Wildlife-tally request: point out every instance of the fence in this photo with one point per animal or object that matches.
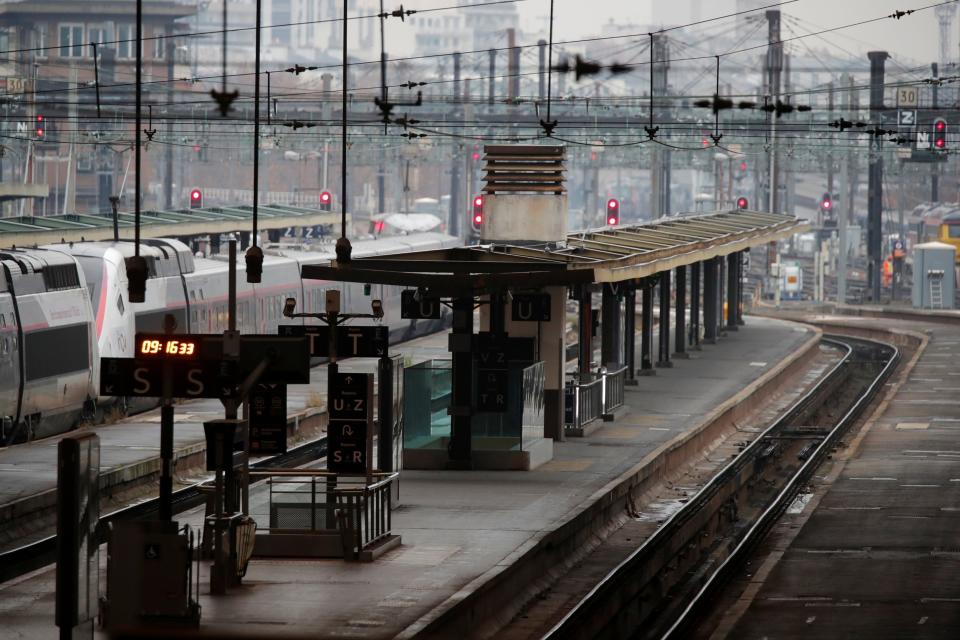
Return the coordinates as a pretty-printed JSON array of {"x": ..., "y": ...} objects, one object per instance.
[
  {"x": 589, "y": 401},
  {"x": 613, "y": 386},
  {"x": 323, "y": 504}
]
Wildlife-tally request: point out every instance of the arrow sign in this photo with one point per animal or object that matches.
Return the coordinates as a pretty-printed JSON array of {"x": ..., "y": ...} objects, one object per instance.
[{"x": 349, "y": 429}]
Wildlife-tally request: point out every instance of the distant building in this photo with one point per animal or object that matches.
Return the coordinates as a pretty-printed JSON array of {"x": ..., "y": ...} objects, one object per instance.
[{"x": 48, "y": 80}]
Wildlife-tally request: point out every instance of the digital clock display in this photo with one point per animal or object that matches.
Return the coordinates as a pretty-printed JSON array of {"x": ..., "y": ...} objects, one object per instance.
[{"x": 161, "y": 346}]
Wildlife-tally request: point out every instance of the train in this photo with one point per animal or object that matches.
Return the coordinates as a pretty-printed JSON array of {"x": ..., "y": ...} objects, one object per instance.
[
  {"x": 64, "y": 306},
  {"x": 949, "y": 231}
]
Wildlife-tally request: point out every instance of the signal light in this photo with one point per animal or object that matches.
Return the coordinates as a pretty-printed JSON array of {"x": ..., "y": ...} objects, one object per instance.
[
  {"x": 939, "y": 134},
  {"x": 825, "y": 202},
  {"x": 743, "y": 166},
  {"x": 477, "y": 220},
  {"x": 254, "y": 259},
  {"x": 325, "y": 200},
  {"x": 742, "y": 203},
  {"x": 41, "y": 127},
  {"x": 613, "y": 212},
  {"x": 196, "y": 199}
]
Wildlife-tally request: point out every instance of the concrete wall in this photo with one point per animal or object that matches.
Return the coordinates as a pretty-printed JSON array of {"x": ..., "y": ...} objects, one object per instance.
[{"x": 524, "y": 218}]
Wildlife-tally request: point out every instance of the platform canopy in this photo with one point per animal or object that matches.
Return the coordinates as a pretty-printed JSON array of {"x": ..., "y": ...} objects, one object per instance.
[
  {"x": 25, "y": 231},
  {"x": 613, "y": 254}
]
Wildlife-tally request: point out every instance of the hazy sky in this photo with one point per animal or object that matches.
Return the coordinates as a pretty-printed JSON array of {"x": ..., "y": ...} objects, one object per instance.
[{"x": 914, "y": 38}]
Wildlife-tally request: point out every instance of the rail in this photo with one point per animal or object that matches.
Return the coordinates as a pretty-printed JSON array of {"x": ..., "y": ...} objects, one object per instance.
[
  {"x": 614, "y": 383},
  {"x": 613, "y": 587},
  {"x": 586, "y": 402}
]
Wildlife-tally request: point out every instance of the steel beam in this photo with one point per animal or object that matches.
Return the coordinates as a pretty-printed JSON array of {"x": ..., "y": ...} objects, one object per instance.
[{"x": 664, "y": 356}]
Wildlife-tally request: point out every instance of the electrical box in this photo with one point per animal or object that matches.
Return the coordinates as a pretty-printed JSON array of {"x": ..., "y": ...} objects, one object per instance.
[
  {"x": 333, "y": 301},
  {"x": 149, "y": 576},
  {"x": 934, "y": 276}
]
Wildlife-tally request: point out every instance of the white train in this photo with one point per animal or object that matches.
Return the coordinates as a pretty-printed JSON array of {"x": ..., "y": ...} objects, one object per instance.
[{"x": 63, "y": 307}]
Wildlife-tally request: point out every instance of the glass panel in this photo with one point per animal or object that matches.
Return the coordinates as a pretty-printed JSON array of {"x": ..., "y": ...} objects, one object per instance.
[
  {"x": 426, "y": 398},
  {"x": 523, "y": 420}
]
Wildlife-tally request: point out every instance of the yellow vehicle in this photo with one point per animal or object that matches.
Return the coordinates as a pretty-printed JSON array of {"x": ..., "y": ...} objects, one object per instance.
[{"x": 949, "y": 231}]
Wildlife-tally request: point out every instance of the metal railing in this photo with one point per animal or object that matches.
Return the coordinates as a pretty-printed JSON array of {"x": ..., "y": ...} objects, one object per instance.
[
  {"x": 587, "y": 401},
  {"x": 320, "y": 502},
  {"x": 613, "y": 387},
  {"x": 364, "y": 516}
]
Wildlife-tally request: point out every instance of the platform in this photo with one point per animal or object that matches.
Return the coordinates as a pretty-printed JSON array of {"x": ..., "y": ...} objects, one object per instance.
[
  {"x": 873, "y": 554},
  {"x": 462, "y": 529}
]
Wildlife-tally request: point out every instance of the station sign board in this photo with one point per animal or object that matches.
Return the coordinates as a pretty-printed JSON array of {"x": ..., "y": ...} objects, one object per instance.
[
  {"x": 350, "y": 425},
  {"x": 426, "y": 308},
  {"x": 268, "y": 419},
  {"x": 530, "y": 307},
  {"x": 198, "y": 368},
  {"x": 371, "y": 341},
  {"x": 131, "y": 377},
  {"x": 494, "y": 352}
]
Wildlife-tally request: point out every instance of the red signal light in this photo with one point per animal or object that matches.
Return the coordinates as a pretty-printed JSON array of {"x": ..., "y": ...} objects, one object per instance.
[
  {"x": 940, "y": 134},
  {"x": 741, "y": 203},
  {"x": 743, "y": 166},
  {"x": 477, "y": 213},
  {"x": 195, "y": 194},
  {"x": 613, "y": 212},
  {"x": 196, "y": 199},
  {"x": 40, "y": 129},
  {"x": 325, "y": 196}
]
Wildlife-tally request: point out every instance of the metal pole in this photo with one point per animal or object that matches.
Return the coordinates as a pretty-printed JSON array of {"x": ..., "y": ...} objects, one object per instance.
[
  {"x": 680, "y": 339},
  {"x": 875, "y": 177},
  {"x": 646, "y": 329},
  {"x": 166, "y": 433},
  {"x": 256, "y": 128},
  {"x": 168, "y": 151},
  {"x": 630, "y": 329},
  {"x": 492, "y": 76},
  {"x": 138, "y": 126},
  {"x": 695, "y": 305},
  {"x": 664, "y": 358},
  {"x": 385, "y": 413},
  {"x": 343, "y": 248}
]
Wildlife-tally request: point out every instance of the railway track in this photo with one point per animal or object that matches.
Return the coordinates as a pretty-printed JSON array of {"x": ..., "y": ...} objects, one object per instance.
[
  {"x": 29, "y": 557},
  {"x": 662, "y": 588}
]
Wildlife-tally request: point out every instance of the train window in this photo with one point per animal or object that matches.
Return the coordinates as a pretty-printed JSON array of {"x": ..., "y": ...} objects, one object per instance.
[
  {"x": 51, "y": 352},
  {"x": 953, "y": 230},
  {"x": 120, "y": 303}
]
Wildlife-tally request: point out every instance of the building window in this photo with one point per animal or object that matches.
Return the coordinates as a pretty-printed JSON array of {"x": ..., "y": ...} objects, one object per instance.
[
  {"x": 159, "y": 45},
  {"x": 71, "y": 41},
  {"x": 126, "y": 34},
  {"x": 97, "y": 34},
  {"x": 40, "y": 40}
]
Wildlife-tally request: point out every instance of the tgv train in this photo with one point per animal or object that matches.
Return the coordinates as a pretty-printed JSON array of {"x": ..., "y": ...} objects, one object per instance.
[{"x": 63, "y": 307}]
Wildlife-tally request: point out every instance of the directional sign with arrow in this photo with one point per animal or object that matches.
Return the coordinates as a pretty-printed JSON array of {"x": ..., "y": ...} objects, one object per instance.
[{"x": 349, "y": 430}]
